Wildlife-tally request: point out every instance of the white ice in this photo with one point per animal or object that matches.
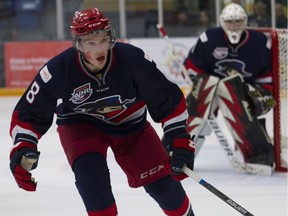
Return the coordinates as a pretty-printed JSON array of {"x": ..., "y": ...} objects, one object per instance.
[{"x": 56, "y": 193}]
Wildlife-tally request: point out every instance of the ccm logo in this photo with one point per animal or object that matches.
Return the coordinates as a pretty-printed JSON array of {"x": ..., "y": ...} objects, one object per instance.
[{"x": 151, "y": 171}]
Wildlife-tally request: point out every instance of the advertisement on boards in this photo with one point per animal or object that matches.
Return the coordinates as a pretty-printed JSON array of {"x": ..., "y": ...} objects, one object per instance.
[{"x": 24, "y": 59}]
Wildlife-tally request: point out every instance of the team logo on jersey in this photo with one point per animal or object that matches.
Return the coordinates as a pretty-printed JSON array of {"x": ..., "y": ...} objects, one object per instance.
[
  {"x": 220, "y": 52},
  {"x": 81, "y": 94},
  {"x": 227, "y": 66},
  {"x": 105, "y": 108}
]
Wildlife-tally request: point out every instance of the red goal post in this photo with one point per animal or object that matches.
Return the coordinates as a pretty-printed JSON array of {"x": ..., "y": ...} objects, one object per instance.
[{"x": 279, "y": 39}]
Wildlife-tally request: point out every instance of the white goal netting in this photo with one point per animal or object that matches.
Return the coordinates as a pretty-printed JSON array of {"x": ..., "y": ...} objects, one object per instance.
[
  {"x": 279, "y": 132},
  {"x": 281, "y": 38}
]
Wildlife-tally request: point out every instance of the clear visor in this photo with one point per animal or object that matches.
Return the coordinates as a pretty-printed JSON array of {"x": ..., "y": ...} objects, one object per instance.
[{"x": 93, "y": 42}]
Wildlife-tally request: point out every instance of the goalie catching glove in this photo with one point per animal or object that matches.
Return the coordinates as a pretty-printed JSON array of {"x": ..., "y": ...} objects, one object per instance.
[
  {"x": 182, "y": 153},
  {"x": 261, "y": 98},
  {"x": 23, "y": 159}
]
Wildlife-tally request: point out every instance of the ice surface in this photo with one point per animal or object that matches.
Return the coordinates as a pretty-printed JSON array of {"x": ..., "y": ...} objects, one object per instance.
[{"x": 56, "y": 193}]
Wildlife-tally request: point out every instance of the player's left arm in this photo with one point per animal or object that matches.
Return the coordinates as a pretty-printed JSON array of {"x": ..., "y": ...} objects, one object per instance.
[
  {"x": 166, "y": 105},
  {"x": 164, "y": 99},
  {"x": 261, "y": 91},
  {"x": 195, "y": 61},
  {"x": 177, "y": 141}
]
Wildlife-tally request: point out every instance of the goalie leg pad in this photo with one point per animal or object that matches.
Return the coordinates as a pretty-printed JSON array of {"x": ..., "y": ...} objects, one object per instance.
[
  {"x": 200, "y": 100},
  {"x": 200, "y": 103},
  {"x": 247, "y": 131}
]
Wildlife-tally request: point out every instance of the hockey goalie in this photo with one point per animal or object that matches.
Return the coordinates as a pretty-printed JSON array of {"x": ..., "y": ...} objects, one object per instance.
[{"x": 230, "y": 67}]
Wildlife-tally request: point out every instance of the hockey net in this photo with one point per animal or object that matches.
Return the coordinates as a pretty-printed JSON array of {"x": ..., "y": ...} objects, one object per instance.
[{"x": 279, "y": 39}]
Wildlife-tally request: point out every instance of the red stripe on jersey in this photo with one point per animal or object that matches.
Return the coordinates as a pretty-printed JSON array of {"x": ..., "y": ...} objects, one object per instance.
[
  {"x": 22, "y": 145},
  {"x": 264, "y": 78},
  {"x": 268, "y": 87},
  {"x": 16, "y": 122},
  {"x": 264, "y": 81},
  {"x": 177, "y": 112},
  {"x": 189, "y": 65},
  {"x": 129, "y": 111}
]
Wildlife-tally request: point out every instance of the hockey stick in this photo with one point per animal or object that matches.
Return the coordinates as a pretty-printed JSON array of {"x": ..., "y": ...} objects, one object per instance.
[
  {"x": 236, "y": 164},
  {"x": 215, "y": 191},
  {"x": 171, "y": 47}
]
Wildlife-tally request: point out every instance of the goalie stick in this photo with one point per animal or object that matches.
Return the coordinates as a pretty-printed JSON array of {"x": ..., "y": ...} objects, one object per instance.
[
  {"x": 215, "y": 191},
  {"x": 233, "y": 159}
]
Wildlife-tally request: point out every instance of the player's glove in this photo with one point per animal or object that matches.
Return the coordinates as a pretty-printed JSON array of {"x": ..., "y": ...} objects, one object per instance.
[
  {"x": 182, "y": 154},
  {"x": 23, "y": 159}
]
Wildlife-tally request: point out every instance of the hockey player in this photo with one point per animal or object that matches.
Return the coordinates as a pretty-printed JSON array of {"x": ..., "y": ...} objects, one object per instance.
[
  {"x": 100, "y": 91},
  {"x": 231, "y": 69}
]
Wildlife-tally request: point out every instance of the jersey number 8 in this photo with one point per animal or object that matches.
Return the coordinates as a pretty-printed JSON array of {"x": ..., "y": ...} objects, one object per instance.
[{"x": 30, "y": 96}]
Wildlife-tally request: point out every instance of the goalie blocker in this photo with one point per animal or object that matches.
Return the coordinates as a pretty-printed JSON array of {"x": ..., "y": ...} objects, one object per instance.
[{"x": 231, "y": 96}]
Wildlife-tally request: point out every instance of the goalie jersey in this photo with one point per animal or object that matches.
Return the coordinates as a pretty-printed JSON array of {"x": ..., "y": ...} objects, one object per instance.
[
  {"x": 214, "y": 55},
  {"x": 115, "y": 100}
]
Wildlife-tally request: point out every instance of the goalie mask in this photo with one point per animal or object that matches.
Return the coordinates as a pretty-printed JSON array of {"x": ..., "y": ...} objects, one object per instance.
[
  {"x": 233, "y": 20},
  {"x": 90, "y": 23}
]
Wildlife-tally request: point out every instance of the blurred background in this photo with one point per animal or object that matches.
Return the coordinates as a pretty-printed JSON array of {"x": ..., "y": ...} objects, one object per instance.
[{"x": 43, "y": 20}]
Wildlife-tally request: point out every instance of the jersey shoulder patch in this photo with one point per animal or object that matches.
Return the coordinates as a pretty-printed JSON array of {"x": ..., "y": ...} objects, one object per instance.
[
  {"x": 203, "y": 37},
  {"x": 45, "y": 74},
  {"x": 148, "y": 57}
]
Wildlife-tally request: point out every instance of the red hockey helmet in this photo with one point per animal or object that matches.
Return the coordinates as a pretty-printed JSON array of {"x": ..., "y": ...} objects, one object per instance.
[{"x": 90, "y": 21}]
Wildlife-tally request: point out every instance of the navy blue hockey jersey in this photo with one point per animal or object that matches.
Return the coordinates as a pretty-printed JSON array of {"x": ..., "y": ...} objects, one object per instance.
[
  {"x": 116, "y": 102},
  {"x": 214, "y": 55}
]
